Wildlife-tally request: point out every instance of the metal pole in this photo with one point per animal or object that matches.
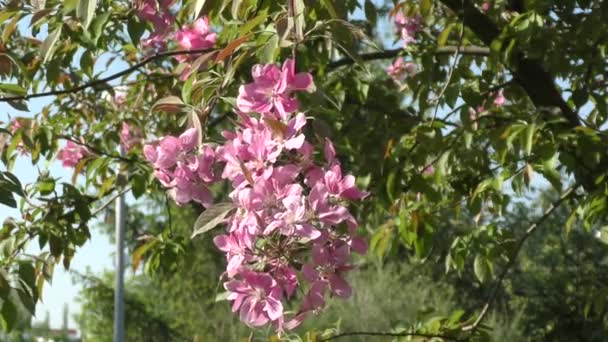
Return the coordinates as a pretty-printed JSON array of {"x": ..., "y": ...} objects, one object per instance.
[{"x": 119, "y": 310}]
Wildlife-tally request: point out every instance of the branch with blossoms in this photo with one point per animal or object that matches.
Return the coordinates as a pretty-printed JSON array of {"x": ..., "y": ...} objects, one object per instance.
[{"x": 288, "y": 214}]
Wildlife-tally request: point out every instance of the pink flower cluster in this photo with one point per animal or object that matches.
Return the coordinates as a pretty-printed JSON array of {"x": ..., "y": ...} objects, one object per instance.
[
  {"x": 474, "y": 113},
  {"x": 194, "y": 37},
  {"x": 399, "y": 69},
  {"x": 291, "y": 227},
  {"x": 158, "y": 13},
  {"x": 407, "y": 27},
  {"x": 14, "y": 126},
  {"x": 71, "y": 154},
  {"x": 184, "y": 167},
  {"x": 270, "y": 92},
  {"x": 128, "y": 137}
]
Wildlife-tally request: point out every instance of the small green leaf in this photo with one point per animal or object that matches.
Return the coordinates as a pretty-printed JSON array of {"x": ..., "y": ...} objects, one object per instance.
[
  {"x": 370, "y": 12},
  {"x": 212, "y": 217},
  {"x": 222, "y": 296},
  {"x": 198, "y": 6},
  {"x": 140, "y": 251},
  {"x": 253, "y": 23},
  {"x": 6, "y": 198},
  {"x": 529, "y": 138},
  {"x": 46, "y": 50},
  {"x": 171, "y": 104},
  {"x": 480, "y": 267},
  {"x": 8, "y": 315},
  {"x": 299, "y": 19},
  {"x": 12, "y": 89},
  {"x": 425, "y": 7},
  {"x": 442, "y": 39},
  {"x": 87, "y": 62},
  {"x": 136, "y": 29},
  {"x": 86, "y": 11}
]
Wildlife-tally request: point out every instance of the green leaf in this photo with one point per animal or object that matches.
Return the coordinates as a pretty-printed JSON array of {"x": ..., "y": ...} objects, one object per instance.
[
  {"x": 46, "y": 50},
  {"x": 198, "y": 6},
  {"x": 8, "y": 315},
  {"x": 442, "y": 39},
  {"x": 140, "y": 251},
  {"x": 269, "y": 49},
  {"x": 171, "y": 104},
  {"x": 480, "y": 267},
  {"x": 253, "y": 23},
  {"x": 299, "y": 22},
  {"x": 5, "y": 287},
  {"x": 11, "y": 183},
  {"x": 6, "y": 198},
  {"x": 69, "y": 5},
  {"x": 425, "y": 7},
  {"x": 222, "y": 296},
  {"x": 98, "y": 24},
  {"x": 236, "y": 5},
  {"x": 12, "y": 89},
  {"x": 370, "y": 12},
  {"x": 136, "y": 29},
  {"x": 86, "y": 11},
  {"x": 529, "y": 138},
  {"x": 87, "y": 62},
  {"x": 212, "y": 217}
]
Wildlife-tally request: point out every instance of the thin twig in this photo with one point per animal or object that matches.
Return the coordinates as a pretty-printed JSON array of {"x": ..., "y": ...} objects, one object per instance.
[
  {"x": 112, "y": 199},
  {"x": 386, "y": 54},
  {"x": 501, "y": 277},
  {"x": 388, "y": 334},
  {"x": 450, "y": 73},
  {"x": 100, "y": 81}
]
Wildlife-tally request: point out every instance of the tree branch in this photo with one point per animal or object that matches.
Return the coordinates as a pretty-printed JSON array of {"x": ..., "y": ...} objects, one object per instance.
[
  {"x": 100, "y": 81},
  {"x": 529, "y": 73},
  {"x": 520, "y": 243},
  {"x": 387, "y": 54},
  {"x": 388, "y": 334},
  {"x": 110, "y": 201}
]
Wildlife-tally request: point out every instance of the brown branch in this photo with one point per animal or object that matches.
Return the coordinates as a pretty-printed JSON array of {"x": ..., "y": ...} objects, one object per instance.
[
  {"x": 100, "y": 81},
  {"x": 388, "y": 334},
  {"x": 386, "y": 54},
  {"x": 529, "y": 73},
  {"x": 520, "y": 243}
]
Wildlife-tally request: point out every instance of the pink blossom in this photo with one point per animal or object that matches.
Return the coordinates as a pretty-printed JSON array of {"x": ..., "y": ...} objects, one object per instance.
[
  {"x": 400, "y": 68},
  {"x": 407, "y": 26},
  {"x": 195, "y": 37},
  {"x": 237, "y": 251},
  {"x": 128, "y": 138},
  {"x": 258, "y": 297},
  {"x": 14, "y": 126},
  {"x": 428, "y": 170},
  {"x": 500, "y": 99},
  {"x": 485, "y": 6},
  {"x": 183, "y": 167},
  {"x": 162, "y": 20},
  {"x": 271, "y": 91},
  {"x": 71, "y": 154}
]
